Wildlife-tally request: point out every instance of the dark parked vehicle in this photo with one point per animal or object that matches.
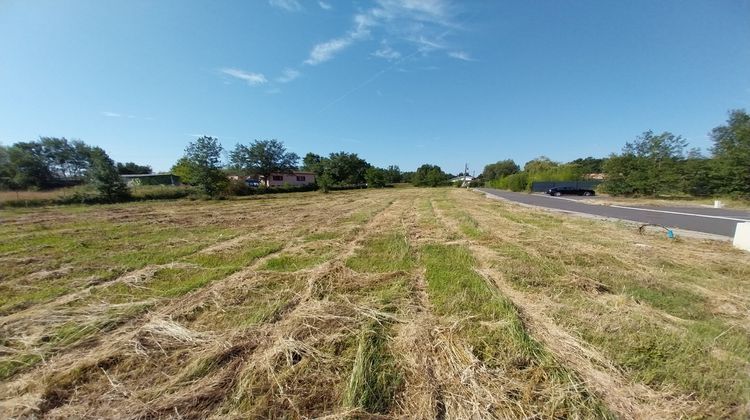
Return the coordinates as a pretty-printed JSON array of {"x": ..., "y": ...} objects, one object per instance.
[{"x": 558, "y": 191}]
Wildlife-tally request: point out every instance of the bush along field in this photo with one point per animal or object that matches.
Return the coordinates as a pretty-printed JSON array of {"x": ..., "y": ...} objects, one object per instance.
[{"x": 407, "y": 302}]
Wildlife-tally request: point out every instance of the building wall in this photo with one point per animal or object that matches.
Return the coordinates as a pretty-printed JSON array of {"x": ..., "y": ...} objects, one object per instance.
[
  {"x": 292, "y": 179},
  {"x": 155, "y": 179}
]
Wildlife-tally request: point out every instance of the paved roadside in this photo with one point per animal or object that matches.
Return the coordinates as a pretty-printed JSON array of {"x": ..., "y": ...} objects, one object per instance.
[{"x": 720, "y": 222}]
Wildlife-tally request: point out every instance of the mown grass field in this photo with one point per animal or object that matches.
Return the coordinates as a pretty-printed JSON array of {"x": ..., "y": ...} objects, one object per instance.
[{"x": 410, "y": 303}]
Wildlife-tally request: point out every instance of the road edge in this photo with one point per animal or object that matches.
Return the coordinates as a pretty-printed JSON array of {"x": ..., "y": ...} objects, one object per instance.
[{"x": 678, "y": 232}]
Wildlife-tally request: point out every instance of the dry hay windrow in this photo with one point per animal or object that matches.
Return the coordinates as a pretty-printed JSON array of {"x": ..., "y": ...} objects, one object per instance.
[
  {"x": 565, "y": 288},
  {"x": 38, "y": 315},
  {"x": 341, "y": 316},
  {"x": 627, "y": 399},
  {"x": 111, "y": 348}
]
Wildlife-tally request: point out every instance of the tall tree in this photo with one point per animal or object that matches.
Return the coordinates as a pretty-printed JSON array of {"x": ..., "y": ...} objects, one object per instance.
[
  {"x": 29, "y": 165},
  {"x": 732, "y": 153},
  {"x": 589, "y": 165},
  {"x": 346, "y": 168},
  {"x": 500, "y": 169},
  {"x": 313, "y": 163},
  {"x": 66, "y": 159},
  {"x": 7, "y": 170},
  {"x": 376, "y": 177},
  {"x": 132, "y": 168},
  {"x": 539, "y": 164},
  {"x": 203, "y": 156},
  {"x": 649, "y": 165},
  {"x": 103, "y": 175},
  {"x": 392, "y": 174},
  {"x": 185, "y": 170},
  {"x": 263, "y": 157},
  {"x": 429, "y": 176}
]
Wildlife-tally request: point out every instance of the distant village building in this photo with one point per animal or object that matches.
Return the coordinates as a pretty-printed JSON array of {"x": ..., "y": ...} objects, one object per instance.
[
  {"x": 151, "y": 179},
  {"x": 294, "y": 179},
  {"x": 462, "y": 179}
]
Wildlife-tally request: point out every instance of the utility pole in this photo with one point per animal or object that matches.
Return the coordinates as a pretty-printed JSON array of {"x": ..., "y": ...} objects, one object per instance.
[{"x": 466, "y": 173}]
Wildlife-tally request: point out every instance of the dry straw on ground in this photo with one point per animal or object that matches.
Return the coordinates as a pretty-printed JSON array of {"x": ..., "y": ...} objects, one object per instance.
[{"x": 407, "y": 303}]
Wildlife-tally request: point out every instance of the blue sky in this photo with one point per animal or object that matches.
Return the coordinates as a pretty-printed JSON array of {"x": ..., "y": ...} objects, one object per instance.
[{"x": 398, "y": 82}]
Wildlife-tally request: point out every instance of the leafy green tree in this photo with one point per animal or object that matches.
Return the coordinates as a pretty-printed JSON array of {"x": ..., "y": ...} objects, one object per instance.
[
  {"x": 376, "y": 177},
  {"x": 313, "y": 163},
  {"x": 540, "y": 164},
  {"x": 66, "y": 159},
  {"x": 731, "y": 152},
  {"x": 589, "y": 165},
  {"x": 429, "y": 176},
  {"x": 263, "y": 157},
  {"x": 185, "y": 170},
  {"x": 346, "y": 168},
  {"x": 6, "y": 169},
  {"x": 500, "y": 169},
  {"x": 698, "y": 175},
  {"x": 203, "y": 158},
  {"x": 392, "y": 174},
  {"x": 29, "y": 166},
  {"x": 132, "y": 168},
  {"x": 324, "y": 181},
  {"x": 650, "y": 165},
  {"x": 104, "y": 177}
]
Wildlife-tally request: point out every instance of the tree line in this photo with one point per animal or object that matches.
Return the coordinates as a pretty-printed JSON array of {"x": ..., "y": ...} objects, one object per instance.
[
  {"x": 53, "y": 162},
  {"x": 650, "y": 165},
  {"x": 202, "y": 165}
]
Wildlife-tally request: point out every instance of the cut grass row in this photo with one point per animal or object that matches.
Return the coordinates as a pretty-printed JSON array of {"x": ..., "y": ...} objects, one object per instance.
[
  {"x": 634, "y": 298},
  {"x": 308, "y": 332}
]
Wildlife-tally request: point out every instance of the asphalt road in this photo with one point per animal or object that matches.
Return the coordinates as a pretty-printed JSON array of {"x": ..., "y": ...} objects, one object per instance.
[{"x": 706, "y": 220}]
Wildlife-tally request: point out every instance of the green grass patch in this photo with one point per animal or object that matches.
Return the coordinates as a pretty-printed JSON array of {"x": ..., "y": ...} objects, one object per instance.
[
  {"x": 454, "y": 288},
  {"x": 17, "y": 363},
  {"x": 382, "y": 254},
  {"x": 374, "y": 378},
  {"x": 675, "y": 301},
  {"x": 701, "y": 360},
  {"x": 290, "y": 263},
  {"x": 468, "y": 225},
  {"x": 174, "y": 282},
  {"x": 495, "y": 331}
]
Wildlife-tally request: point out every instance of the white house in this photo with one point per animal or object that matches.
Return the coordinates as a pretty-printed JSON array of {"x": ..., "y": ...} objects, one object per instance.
[
  {"x": 462, "y": 179},
  {"x": 294, "y": 179}
]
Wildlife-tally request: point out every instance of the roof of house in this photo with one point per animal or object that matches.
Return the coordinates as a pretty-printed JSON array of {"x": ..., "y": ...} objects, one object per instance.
[{"x": 293, "y": 173}]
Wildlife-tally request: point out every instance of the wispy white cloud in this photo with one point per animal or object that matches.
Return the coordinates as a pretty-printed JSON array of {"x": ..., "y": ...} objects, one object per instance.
[
  {"x": 434, "y": 11},
  {"x": 419, "y": 22},
  {"x": 325, "y": 6},
  {"x": 386, "y": 52},
  {"x": 121, "y": 115},
  {"x": 253, "y": 79},
  {"x": 460, "y": 55},
  {"x": 288, "y": 5},
  {"x": 426, "y": 44},
  {"x": 288, "y": 75},
  {"x": 326, "y": 50}
]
